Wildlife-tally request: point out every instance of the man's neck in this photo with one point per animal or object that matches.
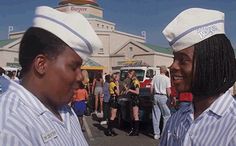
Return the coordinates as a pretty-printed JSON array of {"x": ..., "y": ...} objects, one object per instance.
[{"x": 33, "y": 87}]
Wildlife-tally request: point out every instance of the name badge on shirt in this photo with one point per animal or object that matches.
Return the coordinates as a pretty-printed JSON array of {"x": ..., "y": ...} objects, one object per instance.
[{"x": 49, "y": 136}]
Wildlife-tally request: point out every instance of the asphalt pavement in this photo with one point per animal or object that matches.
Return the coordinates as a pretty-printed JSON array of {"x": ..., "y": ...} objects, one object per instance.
[{"x": 94, "y": 133}]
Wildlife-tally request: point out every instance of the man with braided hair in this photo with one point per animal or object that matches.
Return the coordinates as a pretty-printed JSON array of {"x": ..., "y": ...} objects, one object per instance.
[{"x": 204, "y": 64}]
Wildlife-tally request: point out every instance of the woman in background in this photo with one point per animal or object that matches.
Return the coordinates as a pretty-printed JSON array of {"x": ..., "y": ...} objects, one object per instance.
[
  {"x": 133, "y": 93},
  {"x": 114, "y": 93},
  {"x": 86, "y": 80},
  {"x": 97, "y": 90},
  {"x": 79, "y": 103},
  {"x": 106, "y": 98}
]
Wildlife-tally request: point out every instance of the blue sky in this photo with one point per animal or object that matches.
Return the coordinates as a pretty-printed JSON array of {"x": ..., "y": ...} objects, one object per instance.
[{"x": 132, "y": 16}]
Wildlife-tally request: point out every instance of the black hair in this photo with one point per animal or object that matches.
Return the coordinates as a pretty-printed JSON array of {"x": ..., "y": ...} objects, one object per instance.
[
  {"x": 38, "y": 41},
  {"x": 113, "y": 76},
  {"x": 132, "y": 70},
  {"x": 10, "y": 74},
  {"x": 98, "y": 76},
  {"x": 214, "y": 66},
  {"x": 2, "y": 71},
  {"x": 107, "y": 78}
]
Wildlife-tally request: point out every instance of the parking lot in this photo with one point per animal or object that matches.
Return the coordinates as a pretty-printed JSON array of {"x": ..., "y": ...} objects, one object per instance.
[{"x": 95, "y": 136}]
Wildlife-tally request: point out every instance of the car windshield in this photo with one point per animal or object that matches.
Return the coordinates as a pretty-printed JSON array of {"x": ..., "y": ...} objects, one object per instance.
[{"x": 139, "y": 73}]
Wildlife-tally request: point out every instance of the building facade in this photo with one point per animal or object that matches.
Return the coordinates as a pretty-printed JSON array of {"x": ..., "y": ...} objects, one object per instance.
[{"x": 119, "y": 48}]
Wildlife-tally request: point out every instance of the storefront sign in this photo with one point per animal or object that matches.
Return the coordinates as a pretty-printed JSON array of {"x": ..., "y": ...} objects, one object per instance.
[{"x": 78, "y": 9}]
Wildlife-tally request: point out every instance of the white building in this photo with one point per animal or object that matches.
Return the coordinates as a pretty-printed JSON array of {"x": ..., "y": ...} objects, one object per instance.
[{"x": 119, "y": 48}]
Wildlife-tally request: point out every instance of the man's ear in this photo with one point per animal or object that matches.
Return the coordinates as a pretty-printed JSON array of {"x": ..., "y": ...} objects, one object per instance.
[{"x": 40, "y": 64}]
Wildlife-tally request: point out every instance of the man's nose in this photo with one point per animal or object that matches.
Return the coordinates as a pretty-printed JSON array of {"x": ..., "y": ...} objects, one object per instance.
[{"x": 174, "y": 66}]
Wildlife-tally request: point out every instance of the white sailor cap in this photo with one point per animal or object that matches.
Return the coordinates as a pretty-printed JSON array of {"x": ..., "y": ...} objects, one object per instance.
[
  {"x": 72, "y": 28},
  {"x": 193, "y": 26}
]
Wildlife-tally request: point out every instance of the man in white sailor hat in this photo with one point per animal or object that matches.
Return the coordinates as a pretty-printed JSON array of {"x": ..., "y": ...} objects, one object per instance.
[
  {"x": 204, "y": 64},
  {"x": 51, "y": 54}
]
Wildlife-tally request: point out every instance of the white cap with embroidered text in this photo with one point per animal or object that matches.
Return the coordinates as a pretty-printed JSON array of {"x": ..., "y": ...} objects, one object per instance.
[
  {"x": 193, "y": 26},
  {"x": 72, "y": 28}
]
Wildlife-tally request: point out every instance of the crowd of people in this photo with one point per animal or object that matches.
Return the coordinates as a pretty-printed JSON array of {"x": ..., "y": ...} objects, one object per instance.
[
  {"x": 106, "y": 92},
  {"x": 165, "y": 98},
  {"x": 37, "y": 109}
]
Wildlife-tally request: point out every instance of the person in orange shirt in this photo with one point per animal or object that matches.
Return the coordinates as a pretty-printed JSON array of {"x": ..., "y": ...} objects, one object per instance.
[{"x": 79, "y": 102}]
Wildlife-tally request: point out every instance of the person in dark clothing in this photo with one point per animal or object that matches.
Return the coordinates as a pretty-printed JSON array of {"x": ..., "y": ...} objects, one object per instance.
[
  {"x": 106, "y": 97},
  {"x": 133, "y": 93},
  {"x": 114, "y": 93}
]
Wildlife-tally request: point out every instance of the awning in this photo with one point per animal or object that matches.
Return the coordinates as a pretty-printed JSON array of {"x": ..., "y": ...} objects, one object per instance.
[
  {"x": 93, "y": 67},
  {"x": 89, "y": 64}
]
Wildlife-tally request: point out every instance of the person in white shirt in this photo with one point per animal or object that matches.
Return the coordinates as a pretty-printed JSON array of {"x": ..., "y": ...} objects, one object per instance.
[
  {"x": 36, "y": 111},
  {"x": 160, "y": 87},
  {"x": 204, "y": 64}
]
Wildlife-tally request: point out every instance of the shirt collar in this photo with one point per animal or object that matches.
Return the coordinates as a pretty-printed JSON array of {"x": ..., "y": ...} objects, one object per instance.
[
  {"x": 187, "y": 109},
  {"x": 28, "y": 98},
  {"x": 221, "y": 104},
  {"x": 218, "y": 107}
]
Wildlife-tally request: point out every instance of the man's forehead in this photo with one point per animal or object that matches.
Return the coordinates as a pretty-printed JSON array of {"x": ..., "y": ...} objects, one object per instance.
[
  {"x": 186, "y": 51},
  {"x": 72, "y": 55}
]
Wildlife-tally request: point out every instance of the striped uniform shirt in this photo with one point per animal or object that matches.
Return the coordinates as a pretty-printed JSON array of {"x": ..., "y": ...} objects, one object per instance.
[
  {"x": 216, "y": 126},
  {"x": 25, "y": 121}
]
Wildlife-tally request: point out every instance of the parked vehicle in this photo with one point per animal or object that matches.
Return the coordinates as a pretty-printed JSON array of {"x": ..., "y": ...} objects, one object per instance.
[{"x": 143, "y": 73}]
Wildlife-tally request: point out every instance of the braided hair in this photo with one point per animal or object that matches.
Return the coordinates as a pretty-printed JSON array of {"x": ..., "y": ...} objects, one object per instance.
[{"x": 214, "y": 65}]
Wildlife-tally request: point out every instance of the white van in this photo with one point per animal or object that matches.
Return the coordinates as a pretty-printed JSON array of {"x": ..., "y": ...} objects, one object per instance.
[{"x": 144, "y": 74}]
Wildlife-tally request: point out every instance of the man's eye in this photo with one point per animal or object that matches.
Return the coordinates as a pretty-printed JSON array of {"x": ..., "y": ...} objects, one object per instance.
[
  {"x": 73, "y": 67},
  {"x": 184, "y": 60}
]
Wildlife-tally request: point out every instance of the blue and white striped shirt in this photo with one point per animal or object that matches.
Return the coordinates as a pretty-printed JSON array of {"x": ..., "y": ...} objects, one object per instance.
[
  {"x": 216, "y": 126},
  {"x": 25, "y": 121}
]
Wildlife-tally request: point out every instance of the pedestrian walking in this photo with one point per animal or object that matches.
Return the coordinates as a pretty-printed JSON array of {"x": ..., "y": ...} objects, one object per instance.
[
  {"x": 79, "y": 103},
  {"x": 97, "y": 89},
  {"x": 36, "y": 111},
  {"x": 161, "y": 90},
  {"x": 14, "y": 77},
  {"x": 86, "y": 80},
  {"x": 106, "y": 98},
  {"x": 204, "y": 64}
]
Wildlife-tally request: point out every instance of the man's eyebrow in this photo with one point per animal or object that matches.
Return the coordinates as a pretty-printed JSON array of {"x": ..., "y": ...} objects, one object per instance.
[
  {"x": 181, "y": 54},
  {"x": 76, "y": 62}
]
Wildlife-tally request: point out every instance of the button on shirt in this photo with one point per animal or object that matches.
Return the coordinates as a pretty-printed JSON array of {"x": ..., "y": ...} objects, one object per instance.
[
  {"x": 216, "y": 126},
  {"x": 25, "y": 121}
]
